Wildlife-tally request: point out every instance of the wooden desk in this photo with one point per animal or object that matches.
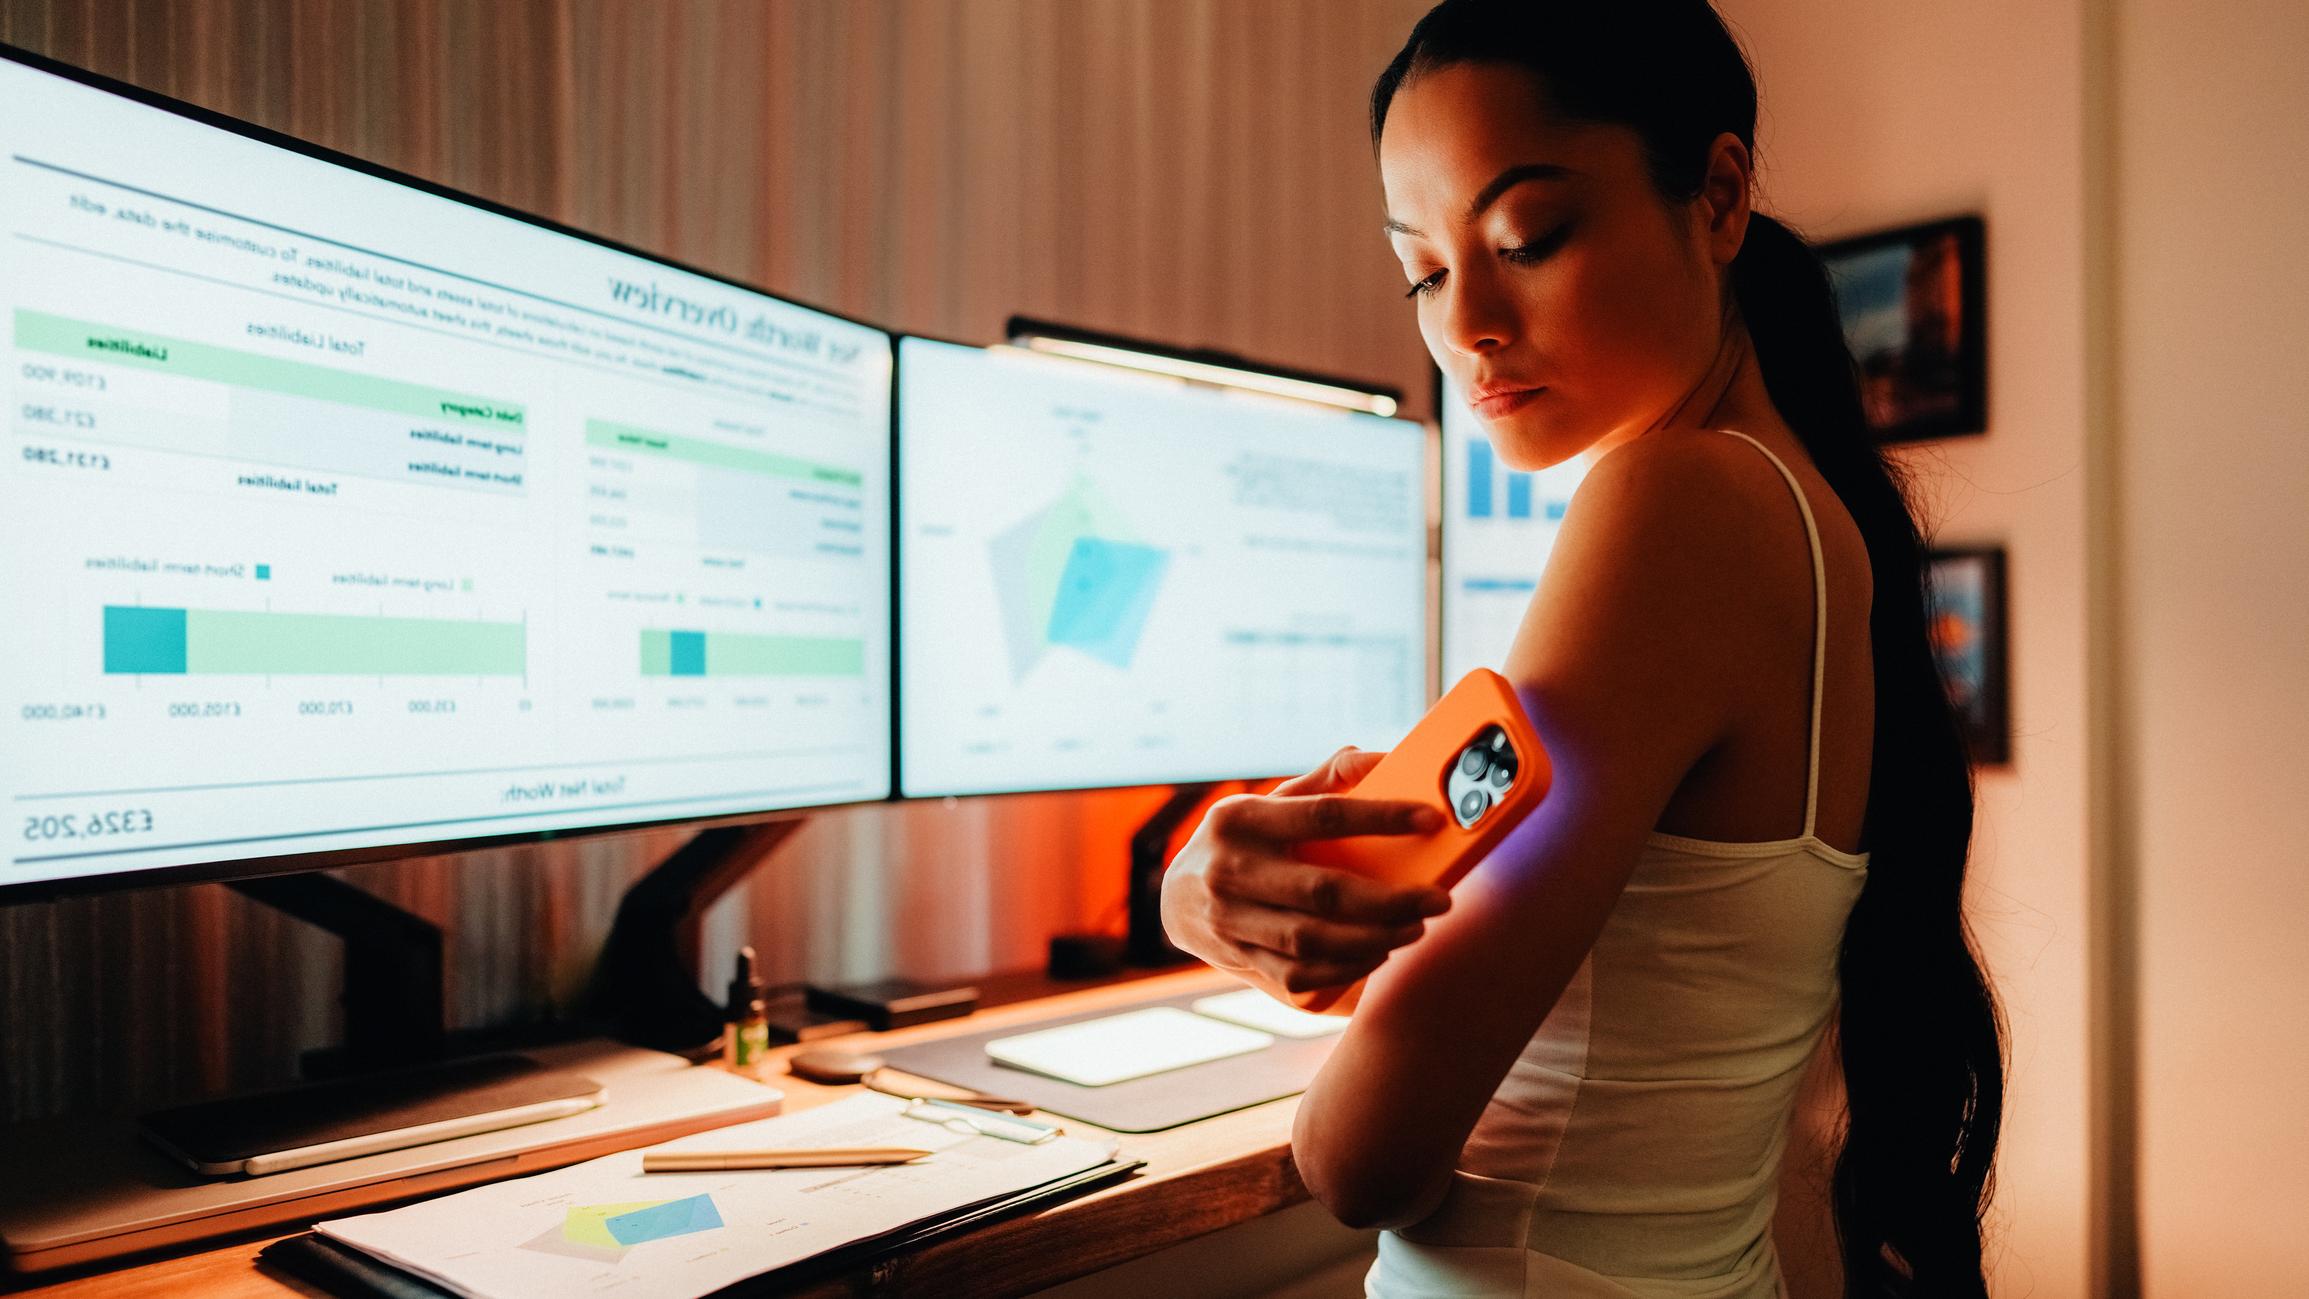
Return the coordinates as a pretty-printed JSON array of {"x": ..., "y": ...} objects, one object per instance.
[{"x": 1198, "y": 1179}]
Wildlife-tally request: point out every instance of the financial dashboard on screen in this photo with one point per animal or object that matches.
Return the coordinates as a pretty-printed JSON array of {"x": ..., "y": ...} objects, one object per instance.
[
  {"x": 337, "y": 513},
  {"x": 1108, "y": 578},
  {"x": 1498, "y": 526}
]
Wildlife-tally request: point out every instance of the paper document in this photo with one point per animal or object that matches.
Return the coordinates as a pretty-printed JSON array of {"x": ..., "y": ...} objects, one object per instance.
[
  {"x": 1119, "y": 1048},
  {"x": 605, "y": 1226},
  {"x": 1252, "y": 1008}
]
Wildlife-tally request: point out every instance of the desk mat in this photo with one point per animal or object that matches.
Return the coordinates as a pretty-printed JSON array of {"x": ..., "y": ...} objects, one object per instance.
[{"x": 1150, "y": 1104}]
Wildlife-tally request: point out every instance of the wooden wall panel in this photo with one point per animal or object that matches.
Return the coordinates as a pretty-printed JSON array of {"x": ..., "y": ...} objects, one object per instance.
[{"x": 1191, "y": 170}]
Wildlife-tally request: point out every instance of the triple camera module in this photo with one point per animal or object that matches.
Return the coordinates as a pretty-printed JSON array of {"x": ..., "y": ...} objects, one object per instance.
[{"x": 1483, "y": 771}]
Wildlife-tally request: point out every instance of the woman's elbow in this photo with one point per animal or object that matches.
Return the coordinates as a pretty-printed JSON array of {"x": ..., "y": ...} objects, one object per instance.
[
  {"x": 1368, "y": 1198},
  {"x": 1373, "y": 1215}
]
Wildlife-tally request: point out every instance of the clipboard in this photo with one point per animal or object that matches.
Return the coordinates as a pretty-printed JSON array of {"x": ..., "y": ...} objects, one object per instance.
[{"x": 350, "y": 1274}]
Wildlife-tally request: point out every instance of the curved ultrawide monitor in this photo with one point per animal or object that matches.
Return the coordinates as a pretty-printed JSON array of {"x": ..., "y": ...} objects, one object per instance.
[
  {"x": 1499, "y": 525},
  {"x": 340, "y": 513},
  {"x": 1110, "y": 578}
]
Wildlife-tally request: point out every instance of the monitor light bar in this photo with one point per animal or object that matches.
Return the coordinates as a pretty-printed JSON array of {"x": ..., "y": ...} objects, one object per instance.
[{"x": 1333, "y": 395}]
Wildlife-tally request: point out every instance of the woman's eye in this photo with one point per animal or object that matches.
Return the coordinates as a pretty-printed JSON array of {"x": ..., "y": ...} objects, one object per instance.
[
  {"x": 1524, "y": 254},
  {"x": 1422, "y": 288}
]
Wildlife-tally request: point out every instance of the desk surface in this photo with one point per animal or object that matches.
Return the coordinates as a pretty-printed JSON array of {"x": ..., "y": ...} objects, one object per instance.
[{"x": 1198, "y": 1179}]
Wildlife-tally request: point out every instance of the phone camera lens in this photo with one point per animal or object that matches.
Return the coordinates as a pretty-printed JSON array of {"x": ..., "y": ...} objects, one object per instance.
[
  {"x": 1472, "y": 804},
  {"x": 1471, "y": 762},
  {"x": 1502, "y": 773}
]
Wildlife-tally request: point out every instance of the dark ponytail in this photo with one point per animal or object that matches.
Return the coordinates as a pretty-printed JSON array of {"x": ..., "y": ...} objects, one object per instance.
[
  {"x": 1920, "y": 1036},
  {"x": 1919, "y": 1033}
]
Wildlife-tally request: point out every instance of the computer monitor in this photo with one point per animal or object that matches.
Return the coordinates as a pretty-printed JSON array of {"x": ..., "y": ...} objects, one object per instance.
[
  {"x": 343, "y": 515},
  {"x": 1498, "y": 526},
  {"x": 1113, "y": 578}
]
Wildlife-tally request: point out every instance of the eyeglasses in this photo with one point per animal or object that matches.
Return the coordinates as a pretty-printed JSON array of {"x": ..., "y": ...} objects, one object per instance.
[
  {"x": 975, "y": 1100},
  {"x": 985, "y": 1123}
]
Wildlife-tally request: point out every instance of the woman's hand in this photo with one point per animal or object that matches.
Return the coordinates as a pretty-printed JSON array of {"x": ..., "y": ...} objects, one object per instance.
[{"x": 1237, "y": 897}]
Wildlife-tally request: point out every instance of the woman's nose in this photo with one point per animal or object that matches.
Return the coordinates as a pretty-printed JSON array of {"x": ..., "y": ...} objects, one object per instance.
[{"x": 1476, "y": 319}]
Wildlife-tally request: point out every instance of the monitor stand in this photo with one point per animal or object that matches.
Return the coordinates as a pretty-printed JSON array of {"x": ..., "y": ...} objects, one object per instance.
[
  {"x": 397, "y": 1052},
  {"x": 1144, "y": 943},
  {"x": 392, "y": 996},
  {"x": 647, "y": 983}
]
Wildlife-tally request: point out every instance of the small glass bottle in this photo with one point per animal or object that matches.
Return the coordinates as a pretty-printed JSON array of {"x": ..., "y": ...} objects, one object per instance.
[{"x": 746, "y": 1021}]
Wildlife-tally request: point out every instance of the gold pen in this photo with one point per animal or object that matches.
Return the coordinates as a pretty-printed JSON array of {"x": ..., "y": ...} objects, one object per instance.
[{"x": 700, "y": 1161}]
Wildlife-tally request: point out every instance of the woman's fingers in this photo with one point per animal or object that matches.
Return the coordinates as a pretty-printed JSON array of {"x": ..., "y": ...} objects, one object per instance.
[
  {"x": 1301, "y": 976},
  {"x": 1344, "y": 770},
  {"x": 1235, "y": 896},
  {"x": 1324, "y": 893},
  {"x": 1307, "y": 940},
  {"x": 1290, "y": 818}
]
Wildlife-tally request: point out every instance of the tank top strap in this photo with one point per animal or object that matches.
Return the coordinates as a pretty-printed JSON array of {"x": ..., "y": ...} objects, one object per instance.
[{"x": 1819, "y": 630}]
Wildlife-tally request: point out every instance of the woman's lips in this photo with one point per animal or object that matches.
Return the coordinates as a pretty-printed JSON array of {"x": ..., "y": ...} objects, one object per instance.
[{"x": 1505, "y": 402}]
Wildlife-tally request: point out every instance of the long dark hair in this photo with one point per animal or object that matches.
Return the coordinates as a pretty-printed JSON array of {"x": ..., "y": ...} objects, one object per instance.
[{"x": 1919, "y": 1031}]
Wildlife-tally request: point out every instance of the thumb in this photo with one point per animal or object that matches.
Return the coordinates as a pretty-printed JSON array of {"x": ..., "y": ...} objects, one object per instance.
[{"x": 1343, "y": 771}]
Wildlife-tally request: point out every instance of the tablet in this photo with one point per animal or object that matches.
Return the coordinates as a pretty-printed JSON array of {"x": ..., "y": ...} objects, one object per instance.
[
  {"x": 1118, "y": 1048},
  {"x": 1254, "y": 1009}
]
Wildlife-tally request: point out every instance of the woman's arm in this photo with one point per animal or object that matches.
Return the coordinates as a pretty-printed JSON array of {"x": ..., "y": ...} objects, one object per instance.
[{"x": 1628, "y": 664}]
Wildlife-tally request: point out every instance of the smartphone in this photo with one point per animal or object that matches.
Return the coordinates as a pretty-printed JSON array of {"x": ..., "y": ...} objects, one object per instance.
[{"x": 1474, "y": 757}]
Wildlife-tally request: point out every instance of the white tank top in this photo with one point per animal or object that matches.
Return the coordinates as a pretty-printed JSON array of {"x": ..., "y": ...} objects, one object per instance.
[{"x": 1634, "y": 1147}]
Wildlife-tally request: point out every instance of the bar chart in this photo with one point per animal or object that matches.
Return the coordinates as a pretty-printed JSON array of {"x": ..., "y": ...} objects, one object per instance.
[
  {"x": 161, "y": 641},
  {"x": 1487, "y": 479},
  {"x": 668, "y": 652}
]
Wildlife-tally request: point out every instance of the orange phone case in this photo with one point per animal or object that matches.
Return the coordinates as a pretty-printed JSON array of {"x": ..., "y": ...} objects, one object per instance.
[{"x": 1420, "y": 768}]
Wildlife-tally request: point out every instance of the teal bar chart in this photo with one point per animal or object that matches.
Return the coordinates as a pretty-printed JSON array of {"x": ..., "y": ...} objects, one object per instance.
[
  {"x": 672, "y": 652},
  {"x": 142, "y": 640}
]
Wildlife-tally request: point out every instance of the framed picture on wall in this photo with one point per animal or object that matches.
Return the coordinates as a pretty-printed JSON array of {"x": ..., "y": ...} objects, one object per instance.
[
  {"x": 1914, "y": 311},
  {"x": 1965, "y": 588}
]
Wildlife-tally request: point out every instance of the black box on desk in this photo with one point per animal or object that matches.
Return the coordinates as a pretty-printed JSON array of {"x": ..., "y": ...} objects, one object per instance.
[{"x": 892, "y": 1003}]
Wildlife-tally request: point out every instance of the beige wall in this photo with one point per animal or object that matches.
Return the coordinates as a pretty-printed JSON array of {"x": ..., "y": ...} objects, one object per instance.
[
  {"x": 1879, "y": 114},
  {"x": 2210, "y": 373}
]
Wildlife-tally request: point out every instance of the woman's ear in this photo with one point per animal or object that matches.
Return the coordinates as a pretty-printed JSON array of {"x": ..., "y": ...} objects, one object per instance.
[{"x": 1725, "y": 193}]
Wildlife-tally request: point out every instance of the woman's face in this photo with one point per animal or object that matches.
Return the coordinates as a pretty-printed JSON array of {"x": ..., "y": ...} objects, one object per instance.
[{"x": 1569, "y": 303}]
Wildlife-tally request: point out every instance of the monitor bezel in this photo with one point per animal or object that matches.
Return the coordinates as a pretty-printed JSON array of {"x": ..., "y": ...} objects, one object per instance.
[
  {"x": 20, "y": 891},
  {"x": 1428, "y": 484},
  {"x": 1440, "y": 386}
]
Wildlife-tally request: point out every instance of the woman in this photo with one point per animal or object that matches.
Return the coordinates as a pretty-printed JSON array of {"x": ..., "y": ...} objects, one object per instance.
[{"x": 1575, "y": 1077}]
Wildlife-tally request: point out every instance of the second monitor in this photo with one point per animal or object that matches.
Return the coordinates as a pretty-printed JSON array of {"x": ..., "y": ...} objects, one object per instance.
[{"x": 1108, "y": 578}]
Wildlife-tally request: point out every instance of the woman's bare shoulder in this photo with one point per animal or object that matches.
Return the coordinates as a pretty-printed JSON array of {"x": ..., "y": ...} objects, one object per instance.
[
  {"x": 1668, "y": 510},
  {"x": 1676, "y": 555},
  {"x": 1683, "y": 469}
]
